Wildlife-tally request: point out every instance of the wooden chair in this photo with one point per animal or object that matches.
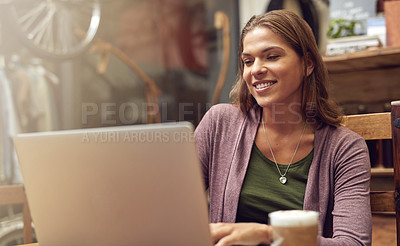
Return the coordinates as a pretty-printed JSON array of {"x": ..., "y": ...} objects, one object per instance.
[
  {"x": 15, "y": 194},
  {"x": 382, "y": 126}
]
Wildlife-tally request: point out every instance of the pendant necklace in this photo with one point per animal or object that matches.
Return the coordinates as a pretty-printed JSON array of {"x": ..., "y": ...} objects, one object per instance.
[{"x": 282, "y": 179}]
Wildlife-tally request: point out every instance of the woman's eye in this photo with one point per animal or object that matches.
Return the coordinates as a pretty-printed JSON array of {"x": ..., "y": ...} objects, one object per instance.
[
  {"x": 272, "y": 57},
  {"x": 247, "y": 62}
]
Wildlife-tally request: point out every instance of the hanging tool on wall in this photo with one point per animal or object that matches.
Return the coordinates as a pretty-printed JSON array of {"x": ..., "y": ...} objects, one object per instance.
[
  {"x": 152, "y": 91},
  {"x": 221, "y": 21}
]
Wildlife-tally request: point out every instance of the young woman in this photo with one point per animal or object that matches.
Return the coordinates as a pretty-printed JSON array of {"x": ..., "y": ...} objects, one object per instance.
[{"x": 280, "y": 145}]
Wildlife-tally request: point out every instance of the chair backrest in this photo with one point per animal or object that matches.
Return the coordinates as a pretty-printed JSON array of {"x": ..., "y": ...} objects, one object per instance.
[
  {"x": 382, "y": 126},
  {"x": 15, "y": 194}
]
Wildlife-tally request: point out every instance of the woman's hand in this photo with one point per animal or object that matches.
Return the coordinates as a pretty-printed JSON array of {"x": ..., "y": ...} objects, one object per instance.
[{"x": 225, "y": 234}]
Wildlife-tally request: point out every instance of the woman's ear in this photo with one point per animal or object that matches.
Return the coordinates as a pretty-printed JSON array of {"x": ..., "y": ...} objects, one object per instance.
[{"x": 309, "y": 64}]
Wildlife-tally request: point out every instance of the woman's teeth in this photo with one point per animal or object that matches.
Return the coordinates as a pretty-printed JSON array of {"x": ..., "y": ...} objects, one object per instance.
[{"x": 264, "y": 85}]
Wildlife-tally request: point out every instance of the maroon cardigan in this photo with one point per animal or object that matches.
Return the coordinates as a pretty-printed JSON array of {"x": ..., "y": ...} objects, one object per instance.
[{"x": 338, "y": 180}]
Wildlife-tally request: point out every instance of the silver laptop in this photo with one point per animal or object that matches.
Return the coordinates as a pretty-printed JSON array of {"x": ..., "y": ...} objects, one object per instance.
[{"x": 120, "y": 186}]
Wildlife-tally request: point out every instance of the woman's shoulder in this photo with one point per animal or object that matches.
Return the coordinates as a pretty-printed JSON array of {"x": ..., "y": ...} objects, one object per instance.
[
  {"x": 225, "y": 109},
  {"x": 228, "y": 117},
  {"x": 224, "y": 112},
  {"x": 340, "y": 144},
  {"x": 342, "y": 131},
  {"x": 339, "y": 135}
]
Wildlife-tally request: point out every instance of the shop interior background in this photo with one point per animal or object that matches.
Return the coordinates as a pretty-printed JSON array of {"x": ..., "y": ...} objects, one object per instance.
[{"x": 150, "y": 61}]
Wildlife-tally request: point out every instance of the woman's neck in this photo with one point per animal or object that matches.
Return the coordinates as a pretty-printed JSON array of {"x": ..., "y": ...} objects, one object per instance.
[{"x": 283, "y": 118}]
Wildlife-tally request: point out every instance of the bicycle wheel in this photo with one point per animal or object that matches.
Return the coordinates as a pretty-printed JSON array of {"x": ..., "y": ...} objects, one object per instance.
[{"x": 59, "y": 29}]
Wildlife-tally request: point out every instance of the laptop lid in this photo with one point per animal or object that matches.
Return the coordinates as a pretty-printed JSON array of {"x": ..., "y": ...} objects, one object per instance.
[{"x": 130, "y": 185}]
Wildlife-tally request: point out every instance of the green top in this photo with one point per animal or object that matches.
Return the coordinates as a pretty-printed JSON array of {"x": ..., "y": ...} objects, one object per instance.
[{"x": 262, "y": 192}]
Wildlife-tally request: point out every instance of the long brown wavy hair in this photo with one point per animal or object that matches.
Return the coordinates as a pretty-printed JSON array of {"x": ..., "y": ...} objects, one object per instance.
[{"x": 315, "y": 103}]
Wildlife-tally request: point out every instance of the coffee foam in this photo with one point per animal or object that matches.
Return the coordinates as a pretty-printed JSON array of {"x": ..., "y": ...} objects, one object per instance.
[{"x": 293, "y": 218}]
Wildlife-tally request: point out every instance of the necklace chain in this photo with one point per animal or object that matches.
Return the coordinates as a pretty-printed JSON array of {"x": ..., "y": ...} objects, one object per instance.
[{"x": 282, "y": 179}]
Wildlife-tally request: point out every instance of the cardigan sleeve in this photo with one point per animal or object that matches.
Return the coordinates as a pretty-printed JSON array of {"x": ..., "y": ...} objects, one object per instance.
[
  {"x": 351, "y": 214},
  {"x": 203, "y": 136}
]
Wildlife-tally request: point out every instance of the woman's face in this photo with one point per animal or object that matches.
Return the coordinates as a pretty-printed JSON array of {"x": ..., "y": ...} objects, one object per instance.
[{"x": 272, "y": 69}]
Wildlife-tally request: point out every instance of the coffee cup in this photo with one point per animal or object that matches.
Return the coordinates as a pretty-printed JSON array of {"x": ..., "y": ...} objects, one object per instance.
[{"x": 294, "y": 228}]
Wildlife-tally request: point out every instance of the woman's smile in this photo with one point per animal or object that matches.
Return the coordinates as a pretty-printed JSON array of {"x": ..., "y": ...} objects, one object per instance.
[{"x": 262, "y": 86}]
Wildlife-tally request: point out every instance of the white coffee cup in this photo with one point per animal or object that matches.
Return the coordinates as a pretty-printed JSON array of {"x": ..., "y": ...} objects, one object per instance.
[{"x": 294, "y": 228}]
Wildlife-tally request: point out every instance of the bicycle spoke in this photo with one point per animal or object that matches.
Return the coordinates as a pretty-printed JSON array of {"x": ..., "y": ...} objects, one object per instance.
[
  {"x": 31, "y": 16},
  {"x": 40, "y": 28},
  {"x": 64, "y": 33},
  {"x": 48, "y": 37},
  {"x": 30, "y": 11}
]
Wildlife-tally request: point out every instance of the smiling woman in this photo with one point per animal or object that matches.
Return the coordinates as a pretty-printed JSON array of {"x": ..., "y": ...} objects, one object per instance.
[
  {"x": 295, "y": 34},
  {"x": 279, "y": 145},
  {"x": 273, "y": 71}
]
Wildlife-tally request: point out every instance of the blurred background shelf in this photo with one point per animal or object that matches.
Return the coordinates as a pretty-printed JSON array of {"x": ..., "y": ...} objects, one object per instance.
[
  {"x": 369, "y": 59},
  {"x": 382, "y": 172},
  {"x": 382, "y": 179},
  {"x": 371, "y": 79}
]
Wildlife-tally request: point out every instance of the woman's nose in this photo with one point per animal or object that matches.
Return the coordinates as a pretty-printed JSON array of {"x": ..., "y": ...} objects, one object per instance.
[{"x": 258, "y": 69}]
